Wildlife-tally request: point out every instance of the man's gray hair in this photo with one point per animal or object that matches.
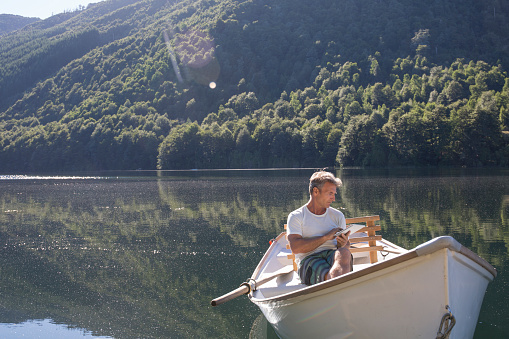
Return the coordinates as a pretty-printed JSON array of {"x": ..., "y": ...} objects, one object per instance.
[{"x": 319, "y": 178}]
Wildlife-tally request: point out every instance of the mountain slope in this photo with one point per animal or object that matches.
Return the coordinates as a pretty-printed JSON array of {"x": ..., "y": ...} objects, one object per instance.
[{"x": 102, "y": 88}]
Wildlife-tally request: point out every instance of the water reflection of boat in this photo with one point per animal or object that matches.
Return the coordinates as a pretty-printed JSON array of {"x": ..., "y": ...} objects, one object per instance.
[
  {"x": 435, "y": 288},
  {"x": 261, "y": 329}
]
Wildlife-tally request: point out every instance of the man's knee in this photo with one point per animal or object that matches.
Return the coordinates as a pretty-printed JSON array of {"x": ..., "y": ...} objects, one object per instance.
[{"x": 343, "y": 255}]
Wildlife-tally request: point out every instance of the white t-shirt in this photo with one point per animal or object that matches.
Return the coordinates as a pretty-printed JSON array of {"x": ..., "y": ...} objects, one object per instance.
[{"x": 303, "y": 222}]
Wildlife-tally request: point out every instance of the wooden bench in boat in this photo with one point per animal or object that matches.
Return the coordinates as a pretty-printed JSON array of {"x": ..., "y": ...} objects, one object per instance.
[
  {"x": 366, "y": 243},
  {"x": 362, "y": 241}
]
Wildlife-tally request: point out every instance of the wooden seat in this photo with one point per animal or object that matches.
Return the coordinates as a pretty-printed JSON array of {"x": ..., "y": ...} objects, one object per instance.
[
  {"x": 357, "y": 243},
  {"x": 371, "y": 238},
  {"x": 290, "y": 256}
]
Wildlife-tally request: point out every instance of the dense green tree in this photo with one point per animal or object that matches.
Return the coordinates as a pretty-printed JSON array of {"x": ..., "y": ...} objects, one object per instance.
[
  {"x": 358, "y": 141},
  {"x": 476, "y": 132},
  {"x": 243, "y": 104},
  {"x": 406, "y": 138},
  {"x": 179, "y": 150},
  {"x": 216, "y": 147}
]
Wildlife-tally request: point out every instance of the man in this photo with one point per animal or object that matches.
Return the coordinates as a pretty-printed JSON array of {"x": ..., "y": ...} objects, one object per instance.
[{"x": 319, "y": 253}]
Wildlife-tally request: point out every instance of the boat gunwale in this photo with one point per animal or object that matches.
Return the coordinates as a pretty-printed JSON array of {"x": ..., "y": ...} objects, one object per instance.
[
  {"x": 446, "y": 243},
  {"x": 266, "y": 255},
  {"x": 478, "y": 260}
]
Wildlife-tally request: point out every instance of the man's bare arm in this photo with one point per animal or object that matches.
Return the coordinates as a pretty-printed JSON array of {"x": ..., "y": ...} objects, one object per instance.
[{"x": 298, "y": 244}]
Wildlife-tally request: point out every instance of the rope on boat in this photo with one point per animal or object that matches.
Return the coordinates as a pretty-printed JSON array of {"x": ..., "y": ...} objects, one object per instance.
[{"x": 446, "y": 324}]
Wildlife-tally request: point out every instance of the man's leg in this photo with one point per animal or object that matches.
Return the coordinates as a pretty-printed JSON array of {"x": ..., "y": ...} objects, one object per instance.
[{"x": 342, "y": 263}]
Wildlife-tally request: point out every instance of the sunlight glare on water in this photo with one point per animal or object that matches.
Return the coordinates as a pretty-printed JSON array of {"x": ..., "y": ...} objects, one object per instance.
[
  {"x": 43, "y": 329},
  {"x": 39, "y": 177}
]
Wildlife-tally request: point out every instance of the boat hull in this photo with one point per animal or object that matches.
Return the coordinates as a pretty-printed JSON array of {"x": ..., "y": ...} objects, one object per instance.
[{"x": 404, "y": 297}]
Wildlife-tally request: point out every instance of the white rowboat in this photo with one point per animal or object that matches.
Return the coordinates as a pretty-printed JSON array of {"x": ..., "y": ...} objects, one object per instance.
[{"x": 431, "y": 291}]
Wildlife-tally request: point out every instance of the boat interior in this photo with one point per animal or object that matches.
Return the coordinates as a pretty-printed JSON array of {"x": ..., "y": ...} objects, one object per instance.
[{"x": 367, "y": 249}]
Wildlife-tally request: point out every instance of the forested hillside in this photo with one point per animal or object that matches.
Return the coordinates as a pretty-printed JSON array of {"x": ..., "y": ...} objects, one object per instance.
[{"x": 127, "y": 84}]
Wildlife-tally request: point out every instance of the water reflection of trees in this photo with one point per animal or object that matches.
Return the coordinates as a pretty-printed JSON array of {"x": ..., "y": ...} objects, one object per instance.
[
  {"x": 414, "y": 210},
  {"x": 236, "y": 207},
  {"x": 112, "y": 262}
]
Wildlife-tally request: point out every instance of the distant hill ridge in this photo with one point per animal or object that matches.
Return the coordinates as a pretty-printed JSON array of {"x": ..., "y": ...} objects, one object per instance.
[{"x": 10, "y": 22}]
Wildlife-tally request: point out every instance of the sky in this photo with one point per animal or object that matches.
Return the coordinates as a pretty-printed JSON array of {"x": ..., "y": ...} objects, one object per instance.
[{"x": 41, "y": 8}]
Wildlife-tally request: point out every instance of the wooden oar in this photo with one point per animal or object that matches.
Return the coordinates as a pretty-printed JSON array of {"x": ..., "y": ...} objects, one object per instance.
[{"x": 251, "y": 284}]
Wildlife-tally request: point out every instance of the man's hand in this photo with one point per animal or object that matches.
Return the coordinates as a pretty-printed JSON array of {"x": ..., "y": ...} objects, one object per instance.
[
  {"x": 343, "y": 241},
  {"x": 298, "y": 244}
]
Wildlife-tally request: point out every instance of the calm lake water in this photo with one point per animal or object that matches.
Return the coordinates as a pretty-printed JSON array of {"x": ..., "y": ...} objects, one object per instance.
[{"x": 141, "y": 254}]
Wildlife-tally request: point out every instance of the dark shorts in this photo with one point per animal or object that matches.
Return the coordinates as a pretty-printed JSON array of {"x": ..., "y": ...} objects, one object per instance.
[{"x": 315, "y": 267}]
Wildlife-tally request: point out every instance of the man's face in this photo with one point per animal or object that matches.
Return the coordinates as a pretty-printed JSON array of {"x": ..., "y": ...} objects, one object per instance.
[{"x": 327, "y": 195}]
